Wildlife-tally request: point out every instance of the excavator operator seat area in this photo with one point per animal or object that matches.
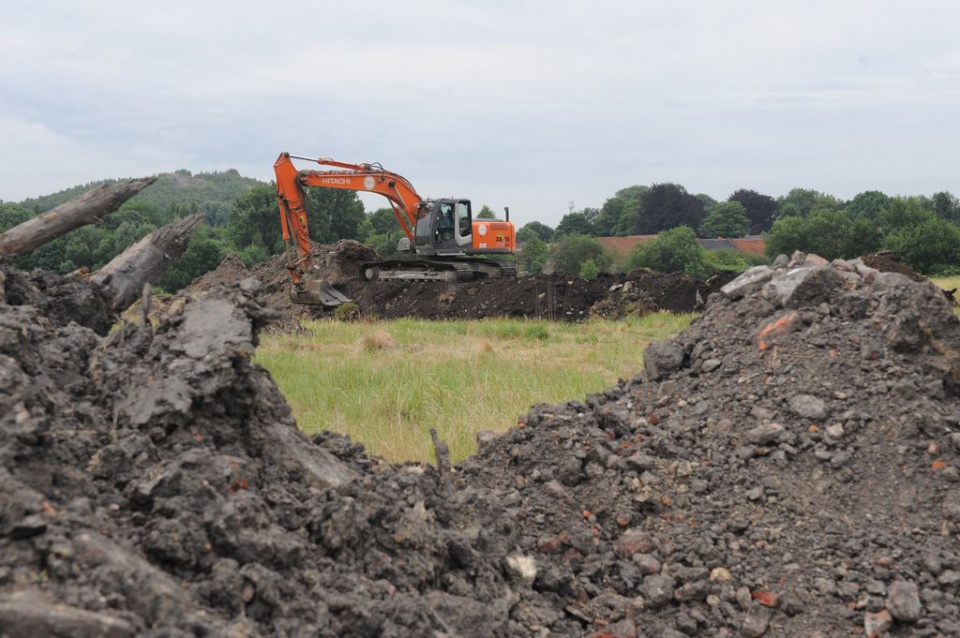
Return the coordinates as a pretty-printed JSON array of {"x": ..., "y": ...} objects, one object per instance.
[
  {"x": 445, "y": 222},
  {"x": 464, "y": 223}
]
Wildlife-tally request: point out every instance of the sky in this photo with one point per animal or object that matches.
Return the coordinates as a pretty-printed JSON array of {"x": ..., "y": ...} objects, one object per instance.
[{"x": 545, "y": 106}]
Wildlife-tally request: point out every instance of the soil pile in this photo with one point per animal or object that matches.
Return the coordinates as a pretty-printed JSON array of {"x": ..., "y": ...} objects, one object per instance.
[
  {"x": 538, "y": 297},
  {"x": 788, "y": 465}
]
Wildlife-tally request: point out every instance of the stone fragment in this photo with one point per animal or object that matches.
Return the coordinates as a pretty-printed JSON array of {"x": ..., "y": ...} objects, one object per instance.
[
  {"x": 662, "y": 358},
  {"x": 657, "y": 590},
  {"x": 877, "y": 623},
  {"x": 522, "y": 569},
  {"x": 808, "y": 407},
  {"x": 903, "y": 601},
  {"x": 765, "y": 434}
]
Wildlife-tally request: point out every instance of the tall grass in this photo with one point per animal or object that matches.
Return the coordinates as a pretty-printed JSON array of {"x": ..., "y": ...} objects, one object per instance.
[{"x": 386, "y": 384}]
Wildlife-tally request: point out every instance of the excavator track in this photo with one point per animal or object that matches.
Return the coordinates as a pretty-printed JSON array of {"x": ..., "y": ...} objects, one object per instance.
[{"x": 458, "y": 270}]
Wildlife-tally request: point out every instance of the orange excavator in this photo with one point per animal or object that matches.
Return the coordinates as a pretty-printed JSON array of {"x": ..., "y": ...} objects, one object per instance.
[{"x": 444, "y": 239}]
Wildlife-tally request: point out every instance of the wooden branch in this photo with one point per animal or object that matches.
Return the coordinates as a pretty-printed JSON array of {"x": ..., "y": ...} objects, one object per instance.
[
  {"x": 145, "y": 261},
  {"x": 89, "y": 208}
]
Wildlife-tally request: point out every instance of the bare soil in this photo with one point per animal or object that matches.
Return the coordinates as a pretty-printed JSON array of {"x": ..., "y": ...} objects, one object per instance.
[
  {"x": 789, "y": 465},
  {"x": 537, "y": 297}
]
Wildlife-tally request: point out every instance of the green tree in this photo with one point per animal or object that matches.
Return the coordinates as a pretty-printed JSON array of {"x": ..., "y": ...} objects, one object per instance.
[
  {"x": 12, "y": 215},
  {"x": 574, "y": 224},
  {"x": 788, "y": 234},
  {"x": 929, "y": 247},
  {"x": 903, "y": 213},
  {"x": 534, "y": 254},
  {"x": 674, "y": 250},
  {"x": 255, "y": 220},
  {"x": 867, "y": 204},
  {"x": 829, "y": 233},
  {"x": 727, "y": 219},
  {"x": 571, "y": 251},
  {"x": 203, "y": 254},
  {"x": 761, "y": 210},
  {"x": 667, "y": 206},
  {"x": 801, "y": 201},
  {"x": 540, "y": 230},
  {"x": 333, "y": 214},
  {"x": 381, "y": 230},
  {"x": 616, "y": 216},
  {"x": 946, "y": 206}
]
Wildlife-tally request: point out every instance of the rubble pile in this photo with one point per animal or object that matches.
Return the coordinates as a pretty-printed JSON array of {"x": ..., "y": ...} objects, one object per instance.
[{"x": 788, "y": 465}]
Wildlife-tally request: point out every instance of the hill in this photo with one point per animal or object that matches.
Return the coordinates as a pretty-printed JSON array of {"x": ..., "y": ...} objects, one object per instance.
[{"x": 180, "y": 189}]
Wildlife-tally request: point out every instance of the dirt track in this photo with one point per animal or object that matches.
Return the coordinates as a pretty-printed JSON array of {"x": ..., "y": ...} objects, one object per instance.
[{"x": 787, "y": 466}]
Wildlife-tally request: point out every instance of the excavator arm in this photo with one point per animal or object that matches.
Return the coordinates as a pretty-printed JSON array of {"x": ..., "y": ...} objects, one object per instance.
[{"x": 370, "y": 178}]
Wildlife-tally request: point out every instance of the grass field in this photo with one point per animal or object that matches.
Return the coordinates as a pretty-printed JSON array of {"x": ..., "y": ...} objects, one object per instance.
[{"x": 386, "y": 384}]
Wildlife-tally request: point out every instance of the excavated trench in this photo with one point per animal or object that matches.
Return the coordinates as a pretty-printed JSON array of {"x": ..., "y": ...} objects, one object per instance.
[{"x": 789, "y": 465}]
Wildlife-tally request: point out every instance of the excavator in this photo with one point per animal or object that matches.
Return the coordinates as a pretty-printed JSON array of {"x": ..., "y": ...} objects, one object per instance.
[{"x": 444, "y": 240}]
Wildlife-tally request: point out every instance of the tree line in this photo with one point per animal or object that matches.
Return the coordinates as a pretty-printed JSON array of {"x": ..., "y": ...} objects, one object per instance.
[
  {"x": 924, "y": 231},
  {"x": 241, "y": 217}
]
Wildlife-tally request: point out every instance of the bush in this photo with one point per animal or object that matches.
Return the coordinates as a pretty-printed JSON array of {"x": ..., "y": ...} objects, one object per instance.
[
  {"x": 572, "y": 251},
  {"x": 589, "y": 270},
  {"x": 730, "y": 259},
  {"x": 674, "y": 250}
]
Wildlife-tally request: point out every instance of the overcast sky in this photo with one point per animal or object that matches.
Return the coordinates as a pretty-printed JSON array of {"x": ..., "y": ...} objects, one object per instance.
[{"x": 533, "y": 104}]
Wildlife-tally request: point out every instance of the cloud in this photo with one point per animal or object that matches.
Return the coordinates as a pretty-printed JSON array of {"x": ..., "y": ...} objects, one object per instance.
[{"x": 539, "y": 102}]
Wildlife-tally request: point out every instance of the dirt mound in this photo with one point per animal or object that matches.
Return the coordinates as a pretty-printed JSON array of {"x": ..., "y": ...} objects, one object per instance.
[
  {"x": 551, "y": 297},
  {"x": 788, "y": 465}
]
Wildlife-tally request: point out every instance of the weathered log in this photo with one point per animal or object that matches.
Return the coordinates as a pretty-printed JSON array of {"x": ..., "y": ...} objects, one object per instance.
[
  {"x": 145, "y": 261},
  {"x": 89, "y": 208}
]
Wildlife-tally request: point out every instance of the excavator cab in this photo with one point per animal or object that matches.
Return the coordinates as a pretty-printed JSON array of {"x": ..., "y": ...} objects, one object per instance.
[{"x": 444, "y": 227}]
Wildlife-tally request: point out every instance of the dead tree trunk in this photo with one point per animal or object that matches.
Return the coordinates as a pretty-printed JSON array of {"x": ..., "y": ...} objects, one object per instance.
[
  {"x": 89, "y": 208},
  {"x": 145, "y": 261}
]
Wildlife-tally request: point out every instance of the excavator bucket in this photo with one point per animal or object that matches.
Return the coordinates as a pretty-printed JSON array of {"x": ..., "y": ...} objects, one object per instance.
[{"x": 318, "y": 292}]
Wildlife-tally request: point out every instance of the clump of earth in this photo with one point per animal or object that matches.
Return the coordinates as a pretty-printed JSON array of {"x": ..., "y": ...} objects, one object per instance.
[{"x": 789, "y": 465}]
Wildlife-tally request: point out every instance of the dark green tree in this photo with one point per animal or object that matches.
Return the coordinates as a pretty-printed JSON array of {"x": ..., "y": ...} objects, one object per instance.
[
  {"x": 333, "y": 214},
  {"x": 867, "y": 204},
  {"x": 667, "y": 206},
  {"x": 902, "y": 213},
  {"x": 761, "y": 210},
  {"x": 203, "y": 254},
  {"x": 255, "y": 221},
  {"x": 946, "y": 206},
  {"x": 574, "y": 224},
  {"x": 538, "y": 229},
  {"x": 381, "y": 230},
  {"x": 727, "y": 219},
  {"x": 616, "y": 216}
]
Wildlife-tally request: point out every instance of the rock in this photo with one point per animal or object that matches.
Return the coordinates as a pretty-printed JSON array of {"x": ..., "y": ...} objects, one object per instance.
[
  {"x": 903, "y": 601},
  {"x": 657, "y": 590},
  {"x": 756, "y": 622},
  {"x": 877, "y": 623},
  {"x": 808, "y": 407},
  {"x": 522, "y": 569},
  {"x": 662, "y": 358}
]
